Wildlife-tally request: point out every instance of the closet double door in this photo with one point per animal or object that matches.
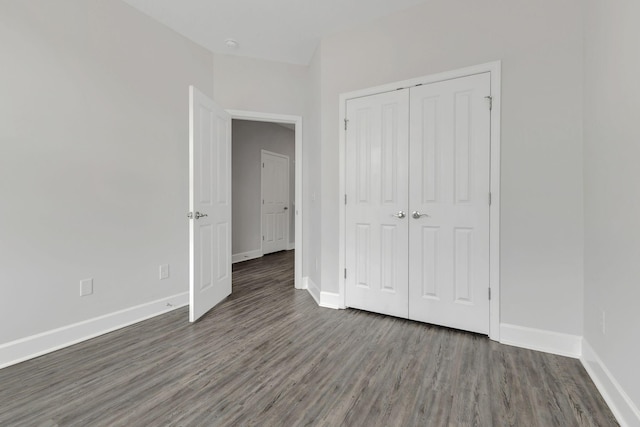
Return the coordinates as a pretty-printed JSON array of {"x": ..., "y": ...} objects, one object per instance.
[{"x": 417, "y": 213}]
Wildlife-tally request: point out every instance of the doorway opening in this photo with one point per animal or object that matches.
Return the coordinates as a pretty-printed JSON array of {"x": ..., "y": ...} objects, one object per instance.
[{"x": 252, "y": 134}]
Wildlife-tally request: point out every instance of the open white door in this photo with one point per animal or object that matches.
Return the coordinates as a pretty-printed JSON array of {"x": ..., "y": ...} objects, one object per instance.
[
  {"x": 275, "y": 202},
  {"x": 209, "y": 204}
]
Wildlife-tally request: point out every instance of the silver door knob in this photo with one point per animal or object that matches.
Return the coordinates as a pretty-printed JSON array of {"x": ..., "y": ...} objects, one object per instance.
[
  {"x": 417, "y": 214},
  {"x": 199, "y": 215},
  {"x": 400, "y": 214}
]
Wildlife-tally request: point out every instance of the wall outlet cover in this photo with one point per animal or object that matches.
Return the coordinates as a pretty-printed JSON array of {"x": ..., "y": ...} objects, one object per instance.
[
  {"x": 86, "y": 287},
  {"x": 164, "y": 271}
]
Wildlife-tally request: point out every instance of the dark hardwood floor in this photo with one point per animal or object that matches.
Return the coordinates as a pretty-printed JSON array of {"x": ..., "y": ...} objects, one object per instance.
[{"x": 269, "y": 356}]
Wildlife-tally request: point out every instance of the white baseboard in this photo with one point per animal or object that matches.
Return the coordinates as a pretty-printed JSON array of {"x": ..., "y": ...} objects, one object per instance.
[
  {"x": 47, "y": 342},
  {"x": 541, "y": 340},
  {"x": 323, "y": 299},
  {"x": 329, "y": 300},
  {"x": 291, "y": 246},
  {"x": 312, "y": 288},
  {"x": 246, "y": 256},
  {"x": 623, "y": 408}
]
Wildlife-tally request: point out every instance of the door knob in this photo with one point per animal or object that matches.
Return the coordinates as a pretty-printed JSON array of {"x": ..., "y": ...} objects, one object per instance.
[
  {"x": 400, "y": 214},
  {"x": 196, "y": 215},
  {"x": 417, "y": 214}
]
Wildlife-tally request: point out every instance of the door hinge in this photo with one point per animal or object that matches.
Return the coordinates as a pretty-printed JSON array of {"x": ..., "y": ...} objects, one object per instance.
[
  {"x": 489, "y": 294},
  {"x": 345, "y": 199},
  {"x": 262, "y": 238},
  {"x": 263, "y": 164},
  {"x": 489, "y": 198},
  {"x": 345, "y": 273},
  {"x": 489, "y": 101},
  {"x": 345, "y": 123}
]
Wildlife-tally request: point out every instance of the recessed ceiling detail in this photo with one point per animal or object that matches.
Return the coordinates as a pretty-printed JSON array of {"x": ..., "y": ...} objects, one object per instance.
[{"x": 278, "y": 30}]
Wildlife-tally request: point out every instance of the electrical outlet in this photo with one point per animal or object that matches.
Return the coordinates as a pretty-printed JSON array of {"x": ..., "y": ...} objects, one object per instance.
[
  {"x": 603, "y": 323},
  {"x": 164, "y": 271},
  {"x": 86, "y": 287}
]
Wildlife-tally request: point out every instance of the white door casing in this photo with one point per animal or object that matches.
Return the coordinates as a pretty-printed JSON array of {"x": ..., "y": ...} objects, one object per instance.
[
  {"x": 209, "y": 204},
  {"x": 449, "y": 188},
  {"x": 275, "y": 202},
  {"x": 376, "y": 188}
]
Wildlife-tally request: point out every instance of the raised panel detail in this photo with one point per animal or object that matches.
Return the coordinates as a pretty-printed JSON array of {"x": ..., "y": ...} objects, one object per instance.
[
  {"x": 279, "y": 190},
  {"x": 269, "y": 227},
  {"x": 462, "y": 265},
  {"x": 222, "y": 170},
  {"x": 280, "y": 225},
  {"x": 389, "y": 153},
  {"x": 206, "y": 156},
  {"x": 363, "y": 255},
  {"x": 206, "y": 254},
  {"x": 363, "y": 157},
  {"x": 224, "y": 263},
  {"x": 388, "y": 246},
  {"x": 430, "y": 169},
  {"x": 462, "y": 147},
  {"x": 430, "y": 237}
]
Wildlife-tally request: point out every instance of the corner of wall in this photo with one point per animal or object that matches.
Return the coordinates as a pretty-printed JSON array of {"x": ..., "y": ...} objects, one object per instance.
[
  {"x": 623, "y": 408},
  {"x": 541, "y": 340}
]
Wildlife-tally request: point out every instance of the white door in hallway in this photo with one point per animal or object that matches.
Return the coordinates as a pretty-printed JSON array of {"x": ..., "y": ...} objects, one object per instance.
[
  {"x": 449, "y": 202},
  {"x": 377, "y": 200},
  {"x": 209, "y": 204},
  {"x": 275, "y": 202}
]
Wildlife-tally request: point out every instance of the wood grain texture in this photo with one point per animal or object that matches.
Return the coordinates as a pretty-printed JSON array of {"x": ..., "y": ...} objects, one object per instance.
[{"x": 269, "y": 356}]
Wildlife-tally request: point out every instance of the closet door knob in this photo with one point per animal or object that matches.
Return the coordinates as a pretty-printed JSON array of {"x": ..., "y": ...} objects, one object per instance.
[
  {"x": 417, "y": 215},
  {"x": 400, "y": 214}
]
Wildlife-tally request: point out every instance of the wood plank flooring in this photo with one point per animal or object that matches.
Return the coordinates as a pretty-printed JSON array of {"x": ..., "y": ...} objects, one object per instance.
[{"x": 269, "y": 356}]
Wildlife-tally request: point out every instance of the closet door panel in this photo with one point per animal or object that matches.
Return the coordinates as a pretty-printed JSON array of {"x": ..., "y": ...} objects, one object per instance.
[
  {"x": 449, "y": 194},
  {"x": 377, "y": 191}
]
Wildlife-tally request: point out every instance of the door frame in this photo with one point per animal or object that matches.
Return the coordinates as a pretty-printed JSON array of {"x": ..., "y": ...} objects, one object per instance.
[
  {"x": 495, "y": 69},
  {"x": 298, "y": 202},
  {"x": 272, "y": 153}
]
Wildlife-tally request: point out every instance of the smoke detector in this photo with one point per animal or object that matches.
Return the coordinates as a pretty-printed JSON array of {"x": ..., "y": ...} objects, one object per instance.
[{"x": 231, "y": 43}]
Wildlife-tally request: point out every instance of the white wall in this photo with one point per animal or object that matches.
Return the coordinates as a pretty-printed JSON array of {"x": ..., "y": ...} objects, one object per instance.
[
  {"x": 611, "y": 183},
  {"x": 259, "y": 85},
  {"x": 93, "y": 160},
  {"x": 540, "y": 44},
  {"x": 313, "y": 168},
  {"x": 248, "y": 140}
]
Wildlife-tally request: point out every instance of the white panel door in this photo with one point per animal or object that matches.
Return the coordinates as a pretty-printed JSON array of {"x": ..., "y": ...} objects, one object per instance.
[
  {"x": 449, "y": 202},
  {"x": 209, "y": 204},
  {"x": 275, "y": 202},
  {"x": 377, "y": 202}
]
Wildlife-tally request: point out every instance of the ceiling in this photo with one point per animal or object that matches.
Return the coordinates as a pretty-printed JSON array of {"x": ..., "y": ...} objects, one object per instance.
[{"x": 278, "y": 30}]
